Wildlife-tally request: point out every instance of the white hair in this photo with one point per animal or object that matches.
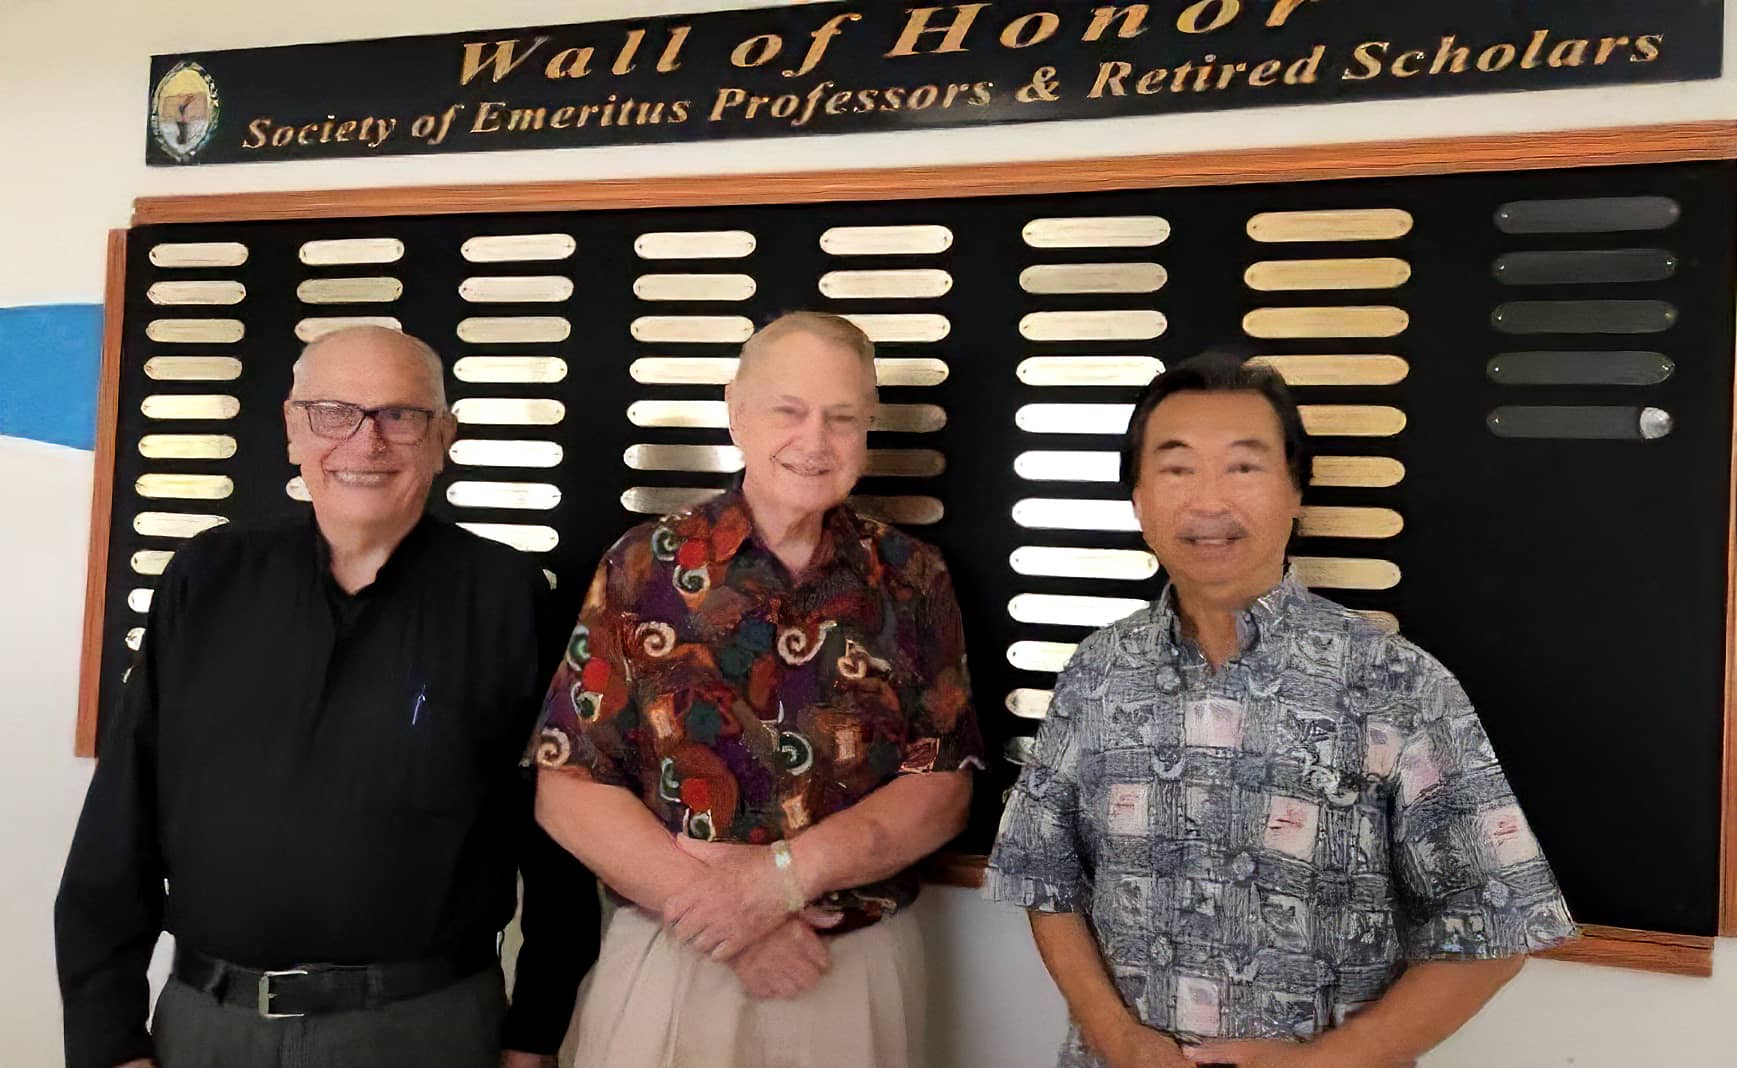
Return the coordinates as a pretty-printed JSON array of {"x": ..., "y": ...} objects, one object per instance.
[
  {"x": 431, "y": 360},
  {"x": 834, "y": 329}
]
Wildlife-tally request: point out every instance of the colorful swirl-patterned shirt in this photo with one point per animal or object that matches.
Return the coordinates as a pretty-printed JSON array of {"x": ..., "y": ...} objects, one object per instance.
[{"x": 743, "y": 706}]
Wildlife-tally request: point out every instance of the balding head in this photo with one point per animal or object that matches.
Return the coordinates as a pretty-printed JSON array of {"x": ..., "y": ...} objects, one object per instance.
[
  {"x": 831, "y": 330},
  {"x": 373, "y": 345},
  {"x": 369, "y": 427}
]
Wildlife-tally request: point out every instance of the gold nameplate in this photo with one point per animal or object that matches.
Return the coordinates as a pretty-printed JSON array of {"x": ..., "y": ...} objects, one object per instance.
[
  {"x": 692, "y": 329},
  {"x": 514, "y": 289},
  {"x": 1040, "y": 656},
  {"x": 710, "y": 459},
  {"x": 1121, "y": 565},
  {"x": 1362, "y": 472},
  {"x": 902, "y": 328},
  {"x": 196, "y": 293},
  {"x": 490, "y": 452},
  {"x": 1071, "y": 611},
  {"x": 525, "y": 538},
  {"x": 174, "y": 524},
  {"x": 1386, "y": 621},
  {"x": 694, "y": 287},
  {"x": 538, "y": 496},
  {"x": 508, "y": 248},
  {"x": 665, "y": 500},
  {"x": 1138, "y": 324},
  {"x": 297, "y": 490},
  {"x": 683, "y": 370},
  {"x": 1352, "y": 420},
  {"x": 1368, "y": 224},
  {"x": 509, "y": 411},
  {"x": 309, "y": 331},
  {"x": 187, "y": 446},
  {"x": 1040, "y": 466},
  {"x": 912, "y": 511},
  {"x": 909, "y": 418},
  {"x": 1093, "y": 278},
  {"x": 886, "y": 240},
  {"x": 189, "y": 406},
  {"x": 1089, "y": 370},
  {"x": 135, "y": 638},
  {"x": 139, "y": 601},
  {"x": 1291, "y": 275},
  {"x": 1049, "y": 513},
  {"x": 1338, "y": 573},
  {"x": 904, "y": 463},
  {"x": 1329, "y": 522},
  {"x": 909, "y": 371},
  {"x": 1028, "y": 703},
  {"x": 1115, "y": 231},
  {"x": 719, "y": 370},
  {"x": 514, "y": 329},
  {"x": 193, "y": 368},
  {"x": 352, "y": 250},
  {"x": 1073, "y": 418},
  {"x": 151, "y": 561},
  {"x": 885, "y": 285},
  {"x": 195, "y": 331},
  {"x": 382, "y": 289},
  {"x": 1350, "y": 370},
  {"x": 695, "y": 245},
  {"x": 533, "y": 369},
  {"x": 199, "y": 254},
  {"x": 1325, "y": 322},
  {"x": 527, "y": 412},
  {"x": 695, "y": 415}
]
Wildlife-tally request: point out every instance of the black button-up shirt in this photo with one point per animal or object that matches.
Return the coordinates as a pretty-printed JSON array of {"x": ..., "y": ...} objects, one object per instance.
[{"x": 296, "y": 774}]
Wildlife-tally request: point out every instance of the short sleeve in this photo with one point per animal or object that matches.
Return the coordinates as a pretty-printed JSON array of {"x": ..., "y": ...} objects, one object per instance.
[
  {"x": 589, "y": 712},
  {"x": 942, "y": 734},
  {"x": 1473, "y": 882},
  {"x": 1036, "y": 863}
]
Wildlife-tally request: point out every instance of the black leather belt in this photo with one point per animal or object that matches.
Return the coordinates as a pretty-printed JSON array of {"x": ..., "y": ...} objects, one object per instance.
[{"x": 315, "y": 989}]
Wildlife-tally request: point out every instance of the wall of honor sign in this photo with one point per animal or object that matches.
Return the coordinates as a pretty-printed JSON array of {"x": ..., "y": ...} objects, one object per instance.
[{"x": 1519, "y": 386}]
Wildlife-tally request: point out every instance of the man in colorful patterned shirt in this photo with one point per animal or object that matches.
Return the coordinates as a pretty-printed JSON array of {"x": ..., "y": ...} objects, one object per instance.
[
  {"x": 1258, "y": 828},
  {"x": 762, "y": 722}
]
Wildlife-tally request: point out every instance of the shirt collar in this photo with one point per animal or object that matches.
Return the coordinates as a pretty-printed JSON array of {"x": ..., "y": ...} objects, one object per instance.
[
  {"x": 844, "y": 535},
  {"x": 402, "y": 553},
  {"x": 1264, "y": 620}
]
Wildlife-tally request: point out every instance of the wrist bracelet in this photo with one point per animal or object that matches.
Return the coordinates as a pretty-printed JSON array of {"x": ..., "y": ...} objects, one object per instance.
[{"x": 785, "y": 863}]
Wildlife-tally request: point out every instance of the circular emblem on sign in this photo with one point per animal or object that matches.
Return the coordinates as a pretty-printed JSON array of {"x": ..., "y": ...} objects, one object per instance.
[{"x": 184, "y": 108}]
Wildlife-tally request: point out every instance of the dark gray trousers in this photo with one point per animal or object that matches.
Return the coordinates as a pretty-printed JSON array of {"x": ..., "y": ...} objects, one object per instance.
[{"x": 456, "y": 1027}]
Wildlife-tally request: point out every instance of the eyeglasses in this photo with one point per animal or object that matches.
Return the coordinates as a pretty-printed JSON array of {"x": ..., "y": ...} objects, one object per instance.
[{"x": 339, "y": 421}]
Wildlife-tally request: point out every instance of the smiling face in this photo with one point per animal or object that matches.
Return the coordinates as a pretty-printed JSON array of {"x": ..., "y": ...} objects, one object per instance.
[
  {"x": 1215, "y": 497},
  {"x": 365, "y": 483},
  {"x": 800, "y": 412}
]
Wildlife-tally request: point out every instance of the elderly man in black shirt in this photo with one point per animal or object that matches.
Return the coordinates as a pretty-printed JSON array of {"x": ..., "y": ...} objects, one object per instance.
[{"x": 311, "y": 779}]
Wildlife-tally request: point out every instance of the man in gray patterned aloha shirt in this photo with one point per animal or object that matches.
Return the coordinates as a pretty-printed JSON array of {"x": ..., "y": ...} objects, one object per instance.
[{"x": 1258, "y": 828}]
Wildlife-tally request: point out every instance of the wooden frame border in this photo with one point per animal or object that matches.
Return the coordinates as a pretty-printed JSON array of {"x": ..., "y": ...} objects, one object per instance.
[
  {"x": 1650, "y": 951},
  {"x": 1728, "y": 815},
  {"x": 96, "y": 579},
  {"x": 1503, "y": 152},
  {"x": 1683, "y": 142}
]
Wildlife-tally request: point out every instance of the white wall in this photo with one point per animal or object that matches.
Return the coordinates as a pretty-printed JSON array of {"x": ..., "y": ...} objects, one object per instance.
[{"x": 73, "y": 82}]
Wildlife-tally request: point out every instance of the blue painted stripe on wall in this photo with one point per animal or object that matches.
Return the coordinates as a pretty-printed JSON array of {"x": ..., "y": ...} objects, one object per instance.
[{"x": 49, "y": 356}]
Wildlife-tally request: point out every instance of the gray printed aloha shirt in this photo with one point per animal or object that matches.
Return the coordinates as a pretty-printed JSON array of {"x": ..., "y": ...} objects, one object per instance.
[{"x": 1261, "y": 849}]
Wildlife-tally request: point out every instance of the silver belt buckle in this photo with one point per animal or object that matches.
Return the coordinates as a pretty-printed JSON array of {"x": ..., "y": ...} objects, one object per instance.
[{"x": 265, "y": 994}]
